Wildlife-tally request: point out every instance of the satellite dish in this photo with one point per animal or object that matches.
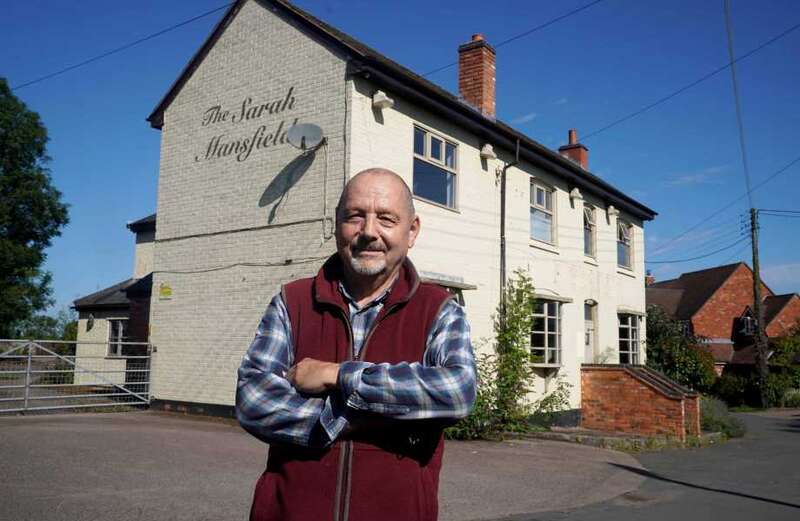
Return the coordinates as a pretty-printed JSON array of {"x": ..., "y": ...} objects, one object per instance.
[{"x": 304, "y": 136}]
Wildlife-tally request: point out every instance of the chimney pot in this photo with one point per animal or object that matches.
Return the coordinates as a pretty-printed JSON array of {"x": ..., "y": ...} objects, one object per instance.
[
  {"x": 575, "y": 151},
  {"x": 477, "y": 37}
]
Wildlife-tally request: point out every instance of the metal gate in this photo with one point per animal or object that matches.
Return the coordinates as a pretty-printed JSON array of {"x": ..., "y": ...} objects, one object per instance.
[{"x": 42, "y": 375}]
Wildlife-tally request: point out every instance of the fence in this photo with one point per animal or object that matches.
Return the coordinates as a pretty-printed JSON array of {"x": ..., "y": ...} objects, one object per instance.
[{"x": 43, "y": 375}]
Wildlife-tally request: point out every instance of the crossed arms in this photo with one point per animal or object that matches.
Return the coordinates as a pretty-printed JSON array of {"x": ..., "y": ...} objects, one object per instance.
[{"x": 273, "y": 404}]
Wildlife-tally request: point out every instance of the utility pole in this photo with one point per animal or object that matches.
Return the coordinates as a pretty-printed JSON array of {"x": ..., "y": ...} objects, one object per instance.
[{"x": 758, "y": 308}]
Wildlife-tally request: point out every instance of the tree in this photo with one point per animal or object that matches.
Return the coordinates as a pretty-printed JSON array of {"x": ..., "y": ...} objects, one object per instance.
[
  {"x": 31, "y": 213},
  {"x": 674, "y": 352}
]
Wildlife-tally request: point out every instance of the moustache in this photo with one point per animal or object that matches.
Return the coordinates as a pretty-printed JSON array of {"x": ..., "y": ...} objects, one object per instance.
[{"x": 357, "y": 248}]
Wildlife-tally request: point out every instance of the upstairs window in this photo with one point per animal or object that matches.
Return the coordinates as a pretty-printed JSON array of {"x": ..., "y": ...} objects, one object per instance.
[
  {"x": 628, "y": 339},
  {"x": 435, "y": 161},
  {"x": 117, "y": 333},
  {"x": 624, "y": 244},
  {"x": 589, "y": 229},
  {"x": 542, "y": 213},
  {"x": 546, "y": 332}
]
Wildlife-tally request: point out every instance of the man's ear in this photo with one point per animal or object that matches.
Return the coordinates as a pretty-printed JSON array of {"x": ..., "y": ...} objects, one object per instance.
[{"x": 413, "y": 231}]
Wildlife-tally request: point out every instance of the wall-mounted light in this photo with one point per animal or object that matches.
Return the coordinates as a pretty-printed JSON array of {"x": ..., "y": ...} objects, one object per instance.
[
  {"x": 487, "y": 152},
  {"x": 575, "y": 194},
  {"x": 612, "y": 211},
  {"x": 590, "y": 302},
  {"x": 381, "y": 101}
]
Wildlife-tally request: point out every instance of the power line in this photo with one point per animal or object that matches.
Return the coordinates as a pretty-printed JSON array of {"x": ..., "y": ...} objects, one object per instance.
[
  {"x": 725, "y": 207},
  {"x": 737, "y": 100},
  {"x": 700, "y": 256},
  {"x": 523, "y": 34},
  {"x": 737, "y": 252},
  {"x": 793, "y": 216},
  {"x": 120, "y": 49},
  {"x": 690, "y": 85},
  {"x": 778, "y": 211}
]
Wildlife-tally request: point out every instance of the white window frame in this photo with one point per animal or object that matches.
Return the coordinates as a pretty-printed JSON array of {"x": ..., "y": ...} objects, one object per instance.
[
  {"x": 590, "y": 225},
  {"x": 440, "y": 163},
  {"x": 630, "y": 346},
  {"x": 535, "y": 207},
  {"x": 625, "y": 237},
  {"x": 115, "y": 344},
  {"x": 546, "y": 350}
]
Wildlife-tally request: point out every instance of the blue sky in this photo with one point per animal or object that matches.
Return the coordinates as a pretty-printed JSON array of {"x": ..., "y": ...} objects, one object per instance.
[{"x": 681, "y": 158}]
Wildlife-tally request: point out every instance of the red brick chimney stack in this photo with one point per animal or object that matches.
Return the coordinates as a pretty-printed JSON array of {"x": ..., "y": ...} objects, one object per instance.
[
  {"x": 575, "y": 151},
  {"x": 476, "y": 74}
]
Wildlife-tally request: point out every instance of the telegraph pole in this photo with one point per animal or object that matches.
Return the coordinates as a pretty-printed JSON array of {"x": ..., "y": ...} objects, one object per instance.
[{"x": 758, "y": 308}]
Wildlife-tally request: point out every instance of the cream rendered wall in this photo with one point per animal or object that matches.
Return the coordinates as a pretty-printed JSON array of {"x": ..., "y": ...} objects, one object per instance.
[
  {"x": 94, "y": 356},
  {"x": 216, "y": 214},
  {"x": 465, "y": 242},
  {"x": 143, "y": 254}
]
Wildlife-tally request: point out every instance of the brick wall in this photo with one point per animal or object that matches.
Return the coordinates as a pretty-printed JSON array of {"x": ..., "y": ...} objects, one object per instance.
[
  {"x": 612, "y": 400},
  {"x": 786, "y": 319},
  {"x": 715, "y": 319}
]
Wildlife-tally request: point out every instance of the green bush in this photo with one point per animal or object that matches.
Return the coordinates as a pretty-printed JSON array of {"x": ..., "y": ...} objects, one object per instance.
[
  {"x": 715, "y": 417},
  {"x": 546, "y": 409},
  {"x": 791, "y": 398},
  {"x": 735, "y": 390}
]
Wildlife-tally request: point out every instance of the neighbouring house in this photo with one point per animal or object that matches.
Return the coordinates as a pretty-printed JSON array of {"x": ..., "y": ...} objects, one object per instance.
[
  {"x": 241, "y": 211},
  {"x": 716, "y": 304},
  {"x": 117, "y": 314}
]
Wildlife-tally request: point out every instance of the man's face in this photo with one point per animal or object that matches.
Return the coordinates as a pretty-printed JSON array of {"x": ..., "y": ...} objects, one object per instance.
[{"x": 375, "y": 228}]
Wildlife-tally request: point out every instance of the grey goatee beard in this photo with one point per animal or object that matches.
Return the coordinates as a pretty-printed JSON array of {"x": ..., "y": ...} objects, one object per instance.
[{"x": 365, "y": 269}]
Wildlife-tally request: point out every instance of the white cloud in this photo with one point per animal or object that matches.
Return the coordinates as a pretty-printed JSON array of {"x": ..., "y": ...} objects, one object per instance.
[
  {"x": 705, "y": 176},
  {"x": 526, "y": 118}
]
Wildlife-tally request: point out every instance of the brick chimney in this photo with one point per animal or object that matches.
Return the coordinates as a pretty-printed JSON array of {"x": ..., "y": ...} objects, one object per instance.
[
  {"x": 476, "y": 74},
  {"x": 649, "y": 279},
  {"x": 575, "y": 151}
]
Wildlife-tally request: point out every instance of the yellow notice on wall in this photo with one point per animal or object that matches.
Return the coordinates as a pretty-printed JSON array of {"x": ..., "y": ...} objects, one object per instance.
[{"x": 164, "y": 291}]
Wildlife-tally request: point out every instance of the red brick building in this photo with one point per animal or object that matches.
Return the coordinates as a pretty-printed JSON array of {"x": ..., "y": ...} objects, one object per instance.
[{"x": 716, "y": 303}]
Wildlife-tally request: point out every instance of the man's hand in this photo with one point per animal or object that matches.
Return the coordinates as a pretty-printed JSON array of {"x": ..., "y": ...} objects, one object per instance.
[{"x": 313, "y": 376}]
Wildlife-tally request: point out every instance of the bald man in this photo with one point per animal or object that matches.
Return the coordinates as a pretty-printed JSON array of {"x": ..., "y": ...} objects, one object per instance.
[{"x": 354, "y": 373}]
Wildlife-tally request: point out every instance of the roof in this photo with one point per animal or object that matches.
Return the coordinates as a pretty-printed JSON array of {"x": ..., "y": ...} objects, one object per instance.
[
  {"x": 696, "y": 288},
  {"x": 366, "y": 61},
  {"x": 145, "y": 224},
  {"x": 667, "y": 299},
  {"x": 773, "y": 305},
  {"x": 116, "y": 296},
  {"x": 721, "y": 352}
]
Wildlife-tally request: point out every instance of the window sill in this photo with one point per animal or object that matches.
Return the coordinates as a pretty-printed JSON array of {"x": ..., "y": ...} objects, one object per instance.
[
  {"x": 546, "y": 366},
  {"x": 544, "y": 246},
  {"x": 590, "y": 260},
  {"x": 438, "y": 205},
  {"x": 626, "y": 271}
]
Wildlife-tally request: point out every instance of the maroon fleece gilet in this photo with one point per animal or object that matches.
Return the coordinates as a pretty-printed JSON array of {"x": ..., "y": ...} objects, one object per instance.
[{"x": 383, "y": 469}]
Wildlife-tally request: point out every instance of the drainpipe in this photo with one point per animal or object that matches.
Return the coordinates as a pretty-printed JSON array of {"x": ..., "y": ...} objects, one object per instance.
[{"x": 503, "y": 234}]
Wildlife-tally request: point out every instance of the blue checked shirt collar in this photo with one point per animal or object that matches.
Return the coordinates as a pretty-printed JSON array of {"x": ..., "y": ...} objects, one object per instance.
[{"x": 362, "y": 317}]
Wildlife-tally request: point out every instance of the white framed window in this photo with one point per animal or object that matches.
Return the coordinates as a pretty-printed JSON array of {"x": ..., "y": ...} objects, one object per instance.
[
  {"x": 546, "y": 332},
  {"x": 589, "y": 231},
  {"x": 435, "y": 168},
  {"x": 628, "y": 339},
  {"x": 542, "y": 212},
  {"x": 117, "y": 333},
  {"x": 624, "y": 244}
]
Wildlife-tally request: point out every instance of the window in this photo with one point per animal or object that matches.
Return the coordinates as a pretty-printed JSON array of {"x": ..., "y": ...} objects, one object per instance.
[
  {"x": 541, "y": 213},
  {"x": 624, "y": 242},
  {"x": 628, "y": 339},
  {"x": 546, "y": 332},
  {"x": 434, "y": 168},
  {"x": 589, "y": 227},
  {"x": 117, "y": 333}
]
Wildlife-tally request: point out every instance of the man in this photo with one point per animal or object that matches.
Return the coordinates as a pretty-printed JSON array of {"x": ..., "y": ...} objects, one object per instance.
[{"x": 354, "y": 373}]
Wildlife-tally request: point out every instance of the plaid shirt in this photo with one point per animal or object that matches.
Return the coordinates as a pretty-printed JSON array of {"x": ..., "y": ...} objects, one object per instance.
[{"x": 442, "y": 386}]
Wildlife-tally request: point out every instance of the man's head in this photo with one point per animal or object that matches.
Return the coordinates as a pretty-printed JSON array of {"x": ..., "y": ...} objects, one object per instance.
[{"x": 375, "y": 224}]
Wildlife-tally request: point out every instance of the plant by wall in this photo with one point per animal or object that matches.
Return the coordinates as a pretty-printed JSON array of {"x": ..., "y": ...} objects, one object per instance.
[{"x": 673, "y": 351}]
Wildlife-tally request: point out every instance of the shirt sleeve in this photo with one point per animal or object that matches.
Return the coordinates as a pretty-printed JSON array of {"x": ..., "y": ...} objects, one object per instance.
[
  {"x": 267, "y": 405},
  {"x": 443, "y": 386}
]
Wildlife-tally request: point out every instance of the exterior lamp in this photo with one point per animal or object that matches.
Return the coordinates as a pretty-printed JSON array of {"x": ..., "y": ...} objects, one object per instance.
[
  {"x": 487, "y": 152},
  {"x": 381, "y": 101}
]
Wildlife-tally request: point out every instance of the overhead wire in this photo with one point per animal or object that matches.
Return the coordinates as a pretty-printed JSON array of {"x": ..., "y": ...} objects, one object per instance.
[
  {"x": 676, "y": 261},
  {"x": 120, "y": 48}
]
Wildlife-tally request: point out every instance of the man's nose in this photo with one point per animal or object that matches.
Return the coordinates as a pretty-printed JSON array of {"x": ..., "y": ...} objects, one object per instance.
[{"x": 370, "y": 229}]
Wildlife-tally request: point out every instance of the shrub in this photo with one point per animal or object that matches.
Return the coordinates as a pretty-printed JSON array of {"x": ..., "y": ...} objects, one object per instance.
[
  {"x": 715, "y": 417},
  {"x": 482, "y": 422},
  {"x": 546, "y": 409},
  {"x": 733, "y": 389},
  {"x": 791, "y": 398}
]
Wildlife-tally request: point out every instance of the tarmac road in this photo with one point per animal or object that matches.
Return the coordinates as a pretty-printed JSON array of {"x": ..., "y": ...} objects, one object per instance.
[
  {"x": 753, "y": 478},
  {"x": 153, "y": 466}
]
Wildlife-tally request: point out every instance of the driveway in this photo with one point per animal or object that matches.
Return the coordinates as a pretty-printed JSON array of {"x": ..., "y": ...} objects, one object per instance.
[
  {"x": 155, "y": 466},
  {"x": 753, "y": 478}
]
